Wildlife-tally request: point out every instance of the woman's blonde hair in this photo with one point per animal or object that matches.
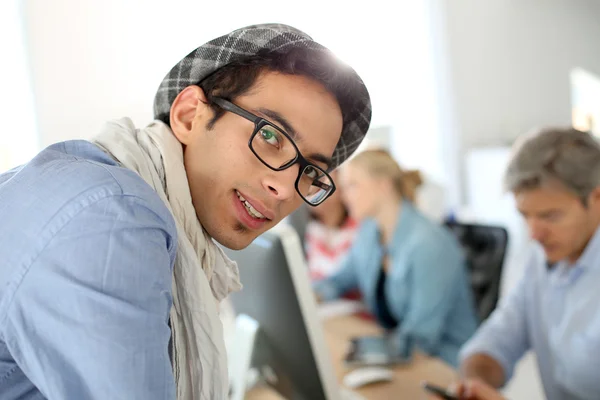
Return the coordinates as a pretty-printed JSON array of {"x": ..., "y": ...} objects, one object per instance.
[{"x": 380, "y": 164}]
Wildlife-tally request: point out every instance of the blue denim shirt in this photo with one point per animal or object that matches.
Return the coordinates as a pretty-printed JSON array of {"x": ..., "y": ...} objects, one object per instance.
[
  {"x": 426, "y": 288},
  {"x": 556, "y": 313},
  {"x": 86, "y": 256}
]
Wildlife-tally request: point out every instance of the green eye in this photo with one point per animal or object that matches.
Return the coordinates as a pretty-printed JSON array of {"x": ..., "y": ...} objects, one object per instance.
[{"x": 269, "y": 136}]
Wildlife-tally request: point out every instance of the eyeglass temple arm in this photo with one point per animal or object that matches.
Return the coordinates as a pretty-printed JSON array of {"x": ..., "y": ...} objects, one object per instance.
[
  {"x": 229, "y": 106},
  {"x": 321, "y": 184}
]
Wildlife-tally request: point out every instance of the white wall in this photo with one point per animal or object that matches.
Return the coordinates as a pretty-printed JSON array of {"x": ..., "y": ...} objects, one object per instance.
[
  {"x": 510, "y": 62},
  {"x": 18, "y": 139},
  {"x": 96, "y": 60}
]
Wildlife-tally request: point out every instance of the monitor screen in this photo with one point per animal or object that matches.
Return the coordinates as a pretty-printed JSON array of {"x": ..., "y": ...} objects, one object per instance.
[{"x": 277, "y": 294}]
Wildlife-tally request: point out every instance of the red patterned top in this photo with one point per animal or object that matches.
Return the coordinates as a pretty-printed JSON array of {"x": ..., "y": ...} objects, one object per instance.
[{"x": 327, "y": 247}]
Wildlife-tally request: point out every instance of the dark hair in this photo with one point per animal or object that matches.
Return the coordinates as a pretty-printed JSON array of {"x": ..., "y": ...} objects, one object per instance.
[{"x": 237, "y": 78}]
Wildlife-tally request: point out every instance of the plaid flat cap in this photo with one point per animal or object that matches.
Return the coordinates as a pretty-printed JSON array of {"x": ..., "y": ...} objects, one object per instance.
[{"x": 249, "y": 41}]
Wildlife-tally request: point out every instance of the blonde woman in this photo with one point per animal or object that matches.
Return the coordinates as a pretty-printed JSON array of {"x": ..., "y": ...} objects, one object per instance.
[{"x": 410, "y": 271}]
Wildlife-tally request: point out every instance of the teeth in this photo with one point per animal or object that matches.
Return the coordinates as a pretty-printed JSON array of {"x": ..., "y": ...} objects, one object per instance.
[{"x": 251, "y": 210}]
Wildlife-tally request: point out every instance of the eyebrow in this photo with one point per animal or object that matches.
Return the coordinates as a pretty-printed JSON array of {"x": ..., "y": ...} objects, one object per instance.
[
  {"x": 281, "y": 120},
  {"x": 542, "y": 214},
  {"x": 289, "y": 129}
]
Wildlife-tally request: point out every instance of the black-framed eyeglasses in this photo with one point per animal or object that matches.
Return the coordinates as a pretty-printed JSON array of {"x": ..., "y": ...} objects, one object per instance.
[{"x": 276, "y": 149}]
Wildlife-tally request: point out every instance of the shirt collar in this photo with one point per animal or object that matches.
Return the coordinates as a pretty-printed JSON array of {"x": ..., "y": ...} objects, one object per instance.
[
  {"x": 404, "y": 225},
  {"x": 590, "y": 258}
]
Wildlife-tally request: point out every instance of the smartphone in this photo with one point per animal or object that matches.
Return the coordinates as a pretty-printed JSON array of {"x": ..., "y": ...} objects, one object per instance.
[
  {"x": 438, "y": 391},
  {"x": 373, "y": 350}
]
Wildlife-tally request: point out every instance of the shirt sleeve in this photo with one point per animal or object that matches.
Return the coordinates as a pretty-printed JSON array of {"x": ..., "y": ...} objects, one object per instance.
[
  {"x": 435, "y": 277},
  {"x": 342, "y": 281},
  {"x": 504, "y": 335},
  {"x": 89, "y": 319}
]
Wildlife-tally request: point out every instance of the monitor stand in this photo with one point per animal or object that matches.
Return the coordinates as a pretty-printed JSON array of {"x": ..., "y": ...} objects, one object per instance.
[{"x": 250, "y": 360}]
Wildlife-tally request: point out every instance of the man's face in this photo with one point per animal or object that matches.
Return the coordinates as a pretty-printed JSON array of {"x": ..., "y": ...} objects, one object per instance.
[
  {"x": 559, "y": 220},
  {"x": 221, "y": 168}
]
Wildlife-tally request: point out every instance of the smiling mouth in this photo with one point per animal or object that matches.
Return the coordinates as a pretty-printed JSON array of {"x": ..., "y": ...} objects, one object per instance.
[{"x": 249, "y": 208}]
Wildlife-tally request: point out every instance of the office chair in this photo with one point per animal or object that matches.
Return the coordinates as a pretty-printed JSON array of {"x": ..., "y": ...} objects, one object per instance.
[{"x": 485, "y": 249}]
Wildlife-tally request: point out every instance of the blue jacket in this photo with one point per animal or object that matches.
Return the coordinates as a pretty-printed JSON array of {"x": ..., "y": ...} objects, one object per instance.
[
  {"x": 426, "y": 287},
  {"x": 86, "y": 256}
]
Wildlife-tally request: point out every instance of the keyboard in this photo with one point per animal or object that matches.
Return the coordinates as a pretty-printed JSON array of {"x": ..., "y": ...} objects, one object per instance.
[{"x": 347, "y": 394}]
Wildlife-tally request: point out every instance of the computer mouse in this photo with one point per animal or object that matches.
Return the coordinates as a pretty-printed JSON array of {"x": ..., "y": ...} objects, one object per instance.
[{"x": 366, "y": 375}]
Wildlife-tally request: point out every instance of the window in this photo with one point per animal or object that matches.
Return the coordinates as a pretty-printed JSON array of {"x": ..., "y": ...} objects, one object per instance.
[{"x": 585, "y": 101}]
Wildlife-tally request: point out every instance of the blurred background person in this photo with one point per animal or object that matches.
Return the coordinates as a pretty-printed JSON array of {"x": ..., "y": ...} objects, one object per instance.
[
  {"x": 554, "y": 175},
  {"x": 410, "y": 270},
  {"x": 329, "y": 234}
]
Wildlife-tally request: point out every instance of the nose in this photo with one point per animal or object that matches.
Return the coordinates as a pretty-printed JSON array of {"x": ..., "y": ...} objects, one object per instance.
[
  {"x": 281, "y": 184},
  {"x": 537, "y": 231}
]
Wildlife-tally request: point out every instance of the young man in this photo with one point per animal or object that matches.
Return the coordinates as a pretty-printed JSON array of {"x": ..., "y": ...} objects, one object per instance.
[
  {"x": 109, "y": 279},
  {"x": 555, "y": 177}
]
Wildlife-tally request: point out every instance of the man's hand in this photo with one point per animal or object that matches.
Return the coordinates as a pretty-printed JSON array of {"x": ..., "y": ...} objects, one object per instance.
[
  {"x": 475, "y": 389},
  {"x": 484, "y": 368}
]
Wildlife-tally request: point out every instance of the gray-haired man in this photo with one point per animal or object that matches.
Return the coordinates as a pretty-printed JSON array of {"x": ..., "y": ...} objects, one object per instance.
[{"x": 554, "y": 175}]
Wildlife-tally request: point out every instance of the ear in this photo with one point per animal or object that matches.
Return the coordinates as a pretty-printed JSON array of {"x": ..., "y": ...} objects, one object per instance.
[
  {"x": 386, "y": 185},
  {"x": 593, "y": 199},
  {"x": 188, "y": 109}
]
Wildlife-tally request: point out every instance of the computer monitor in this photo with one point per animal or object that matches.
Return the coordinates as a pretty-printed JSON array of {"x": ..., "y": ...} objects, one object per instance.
[{"x": 278, "y": 296}]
